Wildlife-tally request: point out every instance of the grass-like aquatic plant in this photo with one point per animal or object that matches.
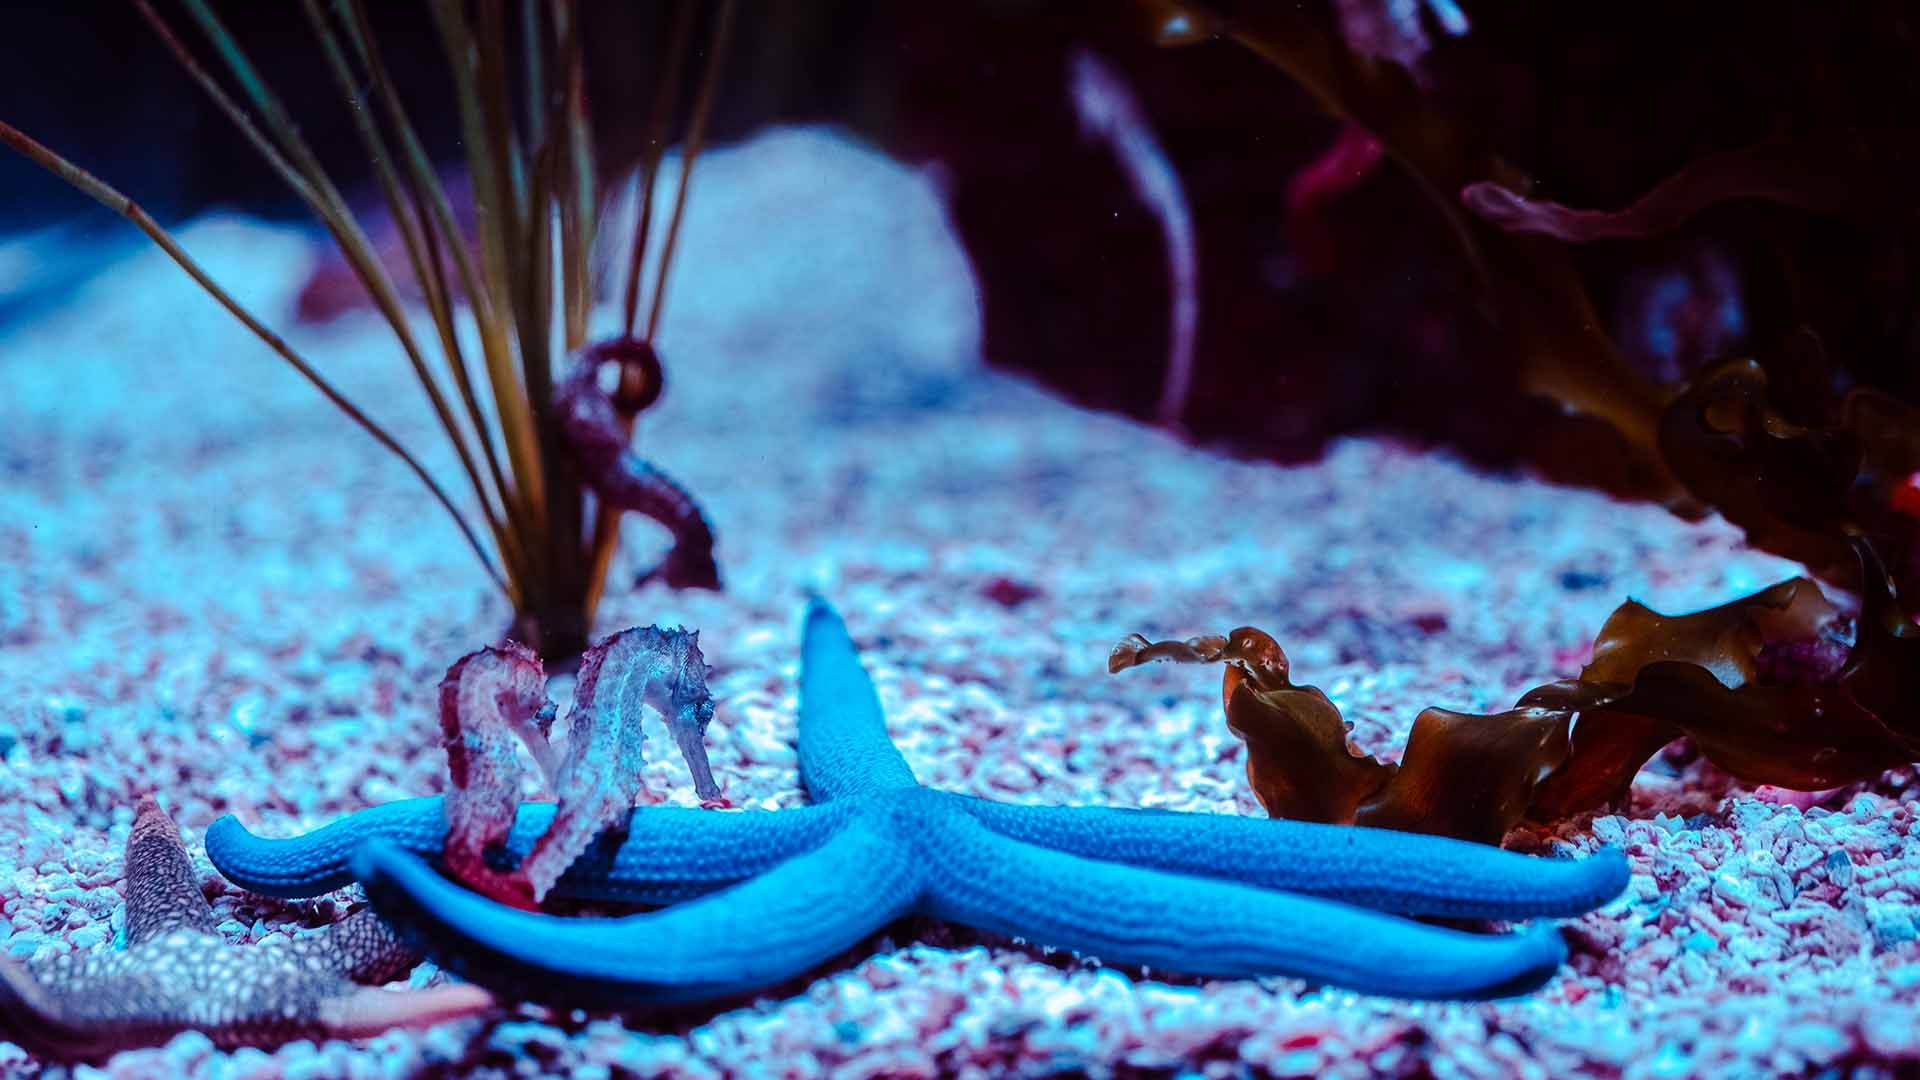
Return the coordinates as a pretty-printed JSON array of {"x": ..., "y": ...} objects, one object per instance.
[{"x": 547, "y": 506}]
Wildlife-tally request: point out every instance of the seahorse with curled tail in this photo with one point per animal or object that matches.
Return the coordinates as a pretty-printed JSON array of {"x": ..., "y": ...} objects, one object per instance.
[{"x": 596, "y": 421}]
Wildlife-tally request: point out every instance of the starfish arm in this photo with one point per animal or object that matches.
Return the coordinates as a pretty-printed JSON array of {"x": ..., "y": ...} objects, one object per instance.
[
  {"x": 87, "y": 1006},
  {"x": 1204, "y": 926},
  {"x": 163, "y": 892},
  {"x": 177, "y": 975},
  {"x": 669, "y": 853},
  {"x": 775, "y": 926},
  {"x": 844, "y": 749},
  {"x": 1377, "y": 868},
  {"x": 364, "y": 948},
  {"x": 316, "y": 862},
  {"x": 367, "y": 1011},
  {"x": 81, "y": 1019}
]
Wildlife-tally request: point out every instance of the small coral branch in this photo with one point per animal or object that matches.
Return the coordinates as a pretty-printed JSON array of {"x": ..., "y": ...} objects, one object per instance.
[
  {"x": 1777, "y": 688},
  {"x": 494, "y": 696}
]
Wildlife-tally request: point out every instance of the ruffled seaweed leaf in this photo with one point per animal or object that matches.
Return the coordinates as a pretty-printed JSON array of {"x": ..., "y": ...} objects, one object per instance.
[
  {"x": 1771, "y": 687},
  {"x": 1282, "y": 724},
  {"x": 1769, "y": 172},
  {"x": 1798, "y": 490}
]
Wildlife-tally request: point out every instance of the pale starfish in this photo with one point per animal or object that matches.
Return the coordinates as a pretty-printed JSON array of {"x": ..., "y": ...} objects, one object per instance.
[
  {"x": 770, "y": 895},
  {"x": 177, "y": 973}
]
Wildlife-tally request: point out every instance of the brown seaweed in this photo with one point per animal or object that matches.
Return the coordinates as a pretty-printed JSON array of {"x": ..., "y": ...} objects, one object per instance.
[
  {"x": 1772, "y": 444},
  {"x": 1778, "y": 687}
]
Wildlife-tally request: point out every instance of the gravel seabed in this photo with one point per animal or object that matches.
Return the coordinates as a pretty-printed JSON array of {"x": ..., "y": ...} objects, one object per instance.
[{"x": 213, "y": 588}]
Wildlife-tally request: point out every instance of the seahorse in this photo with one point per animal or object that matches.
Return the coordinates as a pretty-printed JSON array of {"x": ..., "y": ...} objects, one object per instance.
[{"x": 596, "y": 421}]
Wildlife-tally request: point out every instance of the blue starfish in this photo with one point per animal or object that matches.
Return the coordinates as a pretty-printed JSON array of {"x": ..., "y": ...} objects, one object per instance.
[{"x": 756, "y": 898}]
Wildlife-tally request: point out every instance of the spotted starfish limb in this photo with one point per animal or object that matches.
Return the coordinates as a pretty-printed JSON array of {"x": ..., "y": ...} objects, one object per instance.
[
  {"x": 1195, "y": 893},
  {"x": 177, "y": 974}
]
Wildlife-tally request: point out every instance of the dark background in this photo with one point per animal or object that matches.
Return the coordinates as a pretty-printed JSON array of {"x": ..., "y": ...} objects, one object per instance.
[
  {"x": 89, "y": 78},
  {"x": 1358, "y": 320}
]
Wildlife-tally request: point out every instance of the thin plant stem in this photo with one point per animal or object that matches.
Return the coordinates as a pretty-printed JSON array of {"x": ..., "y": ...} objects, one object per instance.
[
  {"x": 493, "y": 214},
  {"x": 107, "y": 196},
  {"x": 665, "y": 100},
  {"x": 606, "y": 525},
  {"x": 353, "y": 241},
  {"x": 537, "y": 282},
  {"x": 276, "y": 160},
  {"x": 577, "y": 196},
  {"x": 527, "y": 258},
  {"x": 695, "y": 134},
  {"x": 518, "y": 248},
  {"x": 509, "y": 396},
  {"x": 489, "y": 147},
  {"x": 496, "y": 86},
  {"x": 534, "y": 73},
  {"x": 409, "y": 227}
]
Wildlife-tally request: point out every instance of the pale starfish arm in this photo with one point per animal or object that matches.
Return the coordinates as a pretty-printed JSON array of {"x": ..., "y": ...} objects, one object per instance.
[
  {"x": 1204, "y": 926},
  {"x": 83, "y": 1007},
  {"x": 364, "y": 948},
  {"x": 368, "y": 1011},
  {"x": 163, "y": 892},
  {"x": 1377, "y": 868},
  {"x": 844, "y": 749},
  {"x": 669, "y": 854},
  {"x": 773, "y": 927},
  {"x": 86, "y": 1007}
]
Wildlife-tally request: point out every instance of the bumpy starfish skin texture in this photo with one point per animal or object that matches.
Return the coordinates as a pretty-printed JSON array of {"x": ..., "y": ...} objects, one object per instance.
[
  {"x": 177, "y": 973},
  {"x": 760, "y": 897}
]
